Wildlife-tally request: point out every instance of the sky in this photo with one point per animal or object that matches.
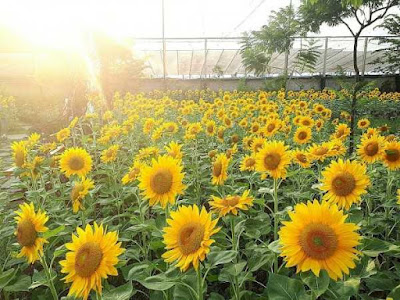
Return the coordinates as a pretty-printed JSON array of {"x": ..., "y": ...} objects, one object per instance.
[{"x": 46, "y": 19}]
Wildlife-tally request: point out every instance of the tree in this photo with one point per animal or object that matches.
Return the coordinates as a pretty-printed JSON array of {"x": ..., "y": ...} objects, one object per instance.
[
  {"x": 389, "y": 61},
  {"x": 314, "y": 13},
  {"x": 275, "y": 37}
]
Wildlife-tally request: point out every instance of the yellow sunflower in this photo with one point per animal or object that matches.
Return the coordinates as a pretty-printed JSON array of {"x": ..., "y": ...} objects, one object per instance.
[
  {"x": 63, "y": 134},
  {"x": 109, "y": 154},
  {"x": 317, "y": 238},
  {"x": 79, "y": 191},
  {"x": 174, "y": 150},
  {"x": 257, "y": 144},
  {"x": 391, "y": 155},
  {"x": 211, "y": 128},
  {"x": 29, "y": 225},
  {"x": 341, "y": 131},
  {"x": 75, "y": 161},
  {"x": 307, "y": 121},
  {"x": 248, "y": 163},
  {"x": 133, "y": 173},
  {"x": 344, "y": 182},
  {"x": 219, "y": 169},
  {"x": 271, "y": 127},
  {"x": 363, "y": 123},
  {"x": 371, "y": 149},
  {"x": 19, "y": 153},
  {"x": 302, "y": 158},
  {"x": 302, "y": 135},
  {"x": 93, "y": 255},
  {"x": 162, "y": 181},
  {"x": 187, "y": 239},
  {"x": 320, "y": 151},
  {"x": 231, "y": 204},
  {"x": 273, "y": 158}
]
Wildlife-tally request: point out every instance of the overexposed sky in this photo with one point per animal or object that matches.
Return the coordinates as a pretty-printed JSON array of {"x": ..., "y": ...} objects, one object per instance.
[{"x": 56, "y": 19}]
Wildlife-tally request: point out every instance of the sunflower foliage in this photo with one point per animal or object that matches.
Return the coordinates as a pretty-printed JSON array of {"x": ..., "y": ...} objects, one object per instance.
[{"x": 206, "y": 195}]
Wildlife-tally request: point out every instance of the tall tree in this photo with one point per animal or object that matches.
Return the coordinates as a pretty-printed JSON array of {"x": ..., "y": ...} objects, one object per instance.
[{"x": 314, "y": 13}]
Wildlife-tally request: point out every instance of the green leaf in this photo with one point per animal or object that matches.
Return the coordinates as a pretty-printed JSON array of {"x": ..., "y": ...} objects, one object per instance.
[
  {"x": 275, "y": 247},
  {"x": 284, "y": 288},
  {"x": 157, "y": 283},
  {"x": 123, "y": 292},
  {"x": 221, "y": 257},
  {"x": 7, "y": 276},
  {"x": 54, "y": 232},
  {"x": 236, "y": 269},
  {"x": 317, "y": 284},
  {"x": 395, "y": 293},
  {"x": 136, "y": 271},
  {"x": 373, "y": 247},
  {"x": 22, "y": 284}
]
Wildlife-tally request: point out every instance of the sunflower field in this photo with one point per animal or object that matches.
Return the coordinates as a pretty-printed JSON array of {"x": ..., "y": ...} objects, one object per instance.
[{"x": 208, "y": 195}]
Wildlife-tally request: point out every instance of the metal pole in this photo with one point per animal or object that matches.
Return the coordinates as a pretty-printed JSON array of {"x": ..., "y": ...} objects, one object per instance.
[
  {"x": 325, "y": 57},
  {"x": 364, "y": 56},
  {"x": 205, "y": 60},
  {"x": 163, "y": 40}
]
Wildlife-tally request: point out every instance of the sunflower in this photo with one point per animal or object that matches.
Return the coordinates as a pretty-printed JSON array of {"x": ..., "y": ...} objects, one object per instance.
[
  {"x": 211, "y": 128},
  {"x": 257, "y": 143},
  {"x": 344, "y": 182},
  {"x": 29, "y": 225},
  {"x": 391, "y": 155},
  {"x": 219, "y": 169},
  {"x": 187, "y": 239},
  {"x": 248, "y": 163},
  {"x": 271, "y": 127},
  {"x": 317, "y": 238},
  {"x": 231, "y": 204},
  {"x": 63, "y": 134},
  {"x": 273, "y": 158},
  {"x": 75, "y": 161},
  {"x": 302, "y": 135},
  {"x": 371, "y": 149},
  {"x": 110, "y": 154},
  {"x": 320, "y": 151},
  {"x": 79, "y": 191},
  {"x": 162, "y": 181},
  {"x": 174, "y": 150},
  {"x": 341, "y": 131},
  {"x": 363, "y": 123},
  {"x": 19, "y": 153},
  {"x": 133, "y": 173},
  {"x": 302, "y": 158},
  {"x": 93, "y": 255},
  {"x": 306, "y": 121}
]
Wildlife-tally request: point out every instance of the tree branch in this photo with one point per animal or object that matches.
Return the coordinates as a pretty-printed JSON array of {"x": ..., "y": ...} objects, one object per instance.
[
  {"x": 354, "y": 11},
  {"x": 347, "y": 25}
]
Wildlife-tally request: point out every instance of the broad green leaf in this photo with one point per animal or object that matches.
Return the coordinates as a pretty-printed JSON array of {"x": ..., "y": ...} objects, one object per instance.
[
  {"x": 7, "y": 276},
  {"x": 284, "y": 288},
  {"x": 21, "y": 284},
  {"x": 317, "y": 284},
  {"x": 54, "y": 232},
  {"x": 221, "y": 257},
  {"x": 123, "y": 292},
  {"x": 157, "y": 282}
]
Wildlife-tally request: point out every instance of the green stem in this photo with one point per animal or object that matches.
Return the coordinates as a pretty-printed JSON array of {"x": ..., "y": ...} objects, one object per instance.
[
  {"x": 234, "y": 248},
  {"x": 199, "y": 284},
  {"x": 276, "y": 220},
  {"x": 48, "y": 276}
]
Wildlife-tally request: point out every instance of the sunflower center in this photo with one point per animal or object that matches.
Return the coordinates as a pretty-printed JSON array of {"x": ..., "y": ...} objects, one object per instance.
[
  {"x": 340, "y": 133},
  {"x": 210, "y": 128},
  {"x": 76, "y": 190},
  {"x": 217, "y": 169},
  {"x": 161, "y": 182},
  {"x": 271, "y": 161},
  {"x": 26, "y": 233},
  {"x": 343, "y": 184},
  {"x": 250, "y": 162},
  {"x": 76, "y": 163},
  {"x": 372, "y": 148},
  {"x": 257, "y": 147},
  {"x": 392, "y": 155},
  {"x": 232, "y": 201},
  {"x": 19, "y": 158},
  {"x": 363, "y": 123},
  {"x": 255, "y": 128},
  {"x": 302, "y": 135},
  {"x": 306, "y": 123},
  {"x": 321, "y": 151},
  {"x": 302, "y": 158},
  {"x": 88, "y": 259},
  {"x": 318, "y": 241},
  {"x": 190, "y": 237},
  {"x": 270, "y": 127}
]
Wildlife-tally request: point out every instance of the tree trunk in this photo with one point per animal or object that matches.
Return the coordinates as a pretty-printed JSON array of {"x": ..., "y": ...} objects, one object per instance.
[{"x": 354, "y": 98}]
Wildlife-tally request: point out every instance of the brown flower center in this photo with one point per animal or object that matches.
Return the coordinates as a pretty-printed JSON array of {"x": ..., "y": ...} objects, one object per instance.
[
  {"x": 221, "y": 134},
  {"x": 271, "y": 161},
  {"x": 392, "y": 155},
  {"x": 302, "y": 158},
  {"x": 255, "y": 128},
  {"x": 235, "y": 138},
  {"x": 190, "y": 237},
  {"x": 318, "y": 241},
  {"x": 371, "y": 148},
  {"x": 26, "y": 233},
  {"x": 302, "y": 135},
  {"x": 250, "y": 162},
  {"x": 257, "y": 147},
  {"x": 88, "y": 259},
  {"x": 306, "y": 122},
  {"x": 343, "y": 184},
  {"x": 321, "y": 151},
  {"x": 340, "y": 133},
  {"x": 270, "y": 127},
  {"x": 161, "y": 182},
  {"x": 210, "y": 128},
  {"x": 76, "y": 163},
  {"x": 232, "y": 201},
  {"x": 217, "y": 168},
  {"x": 75, "y": 191}
]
